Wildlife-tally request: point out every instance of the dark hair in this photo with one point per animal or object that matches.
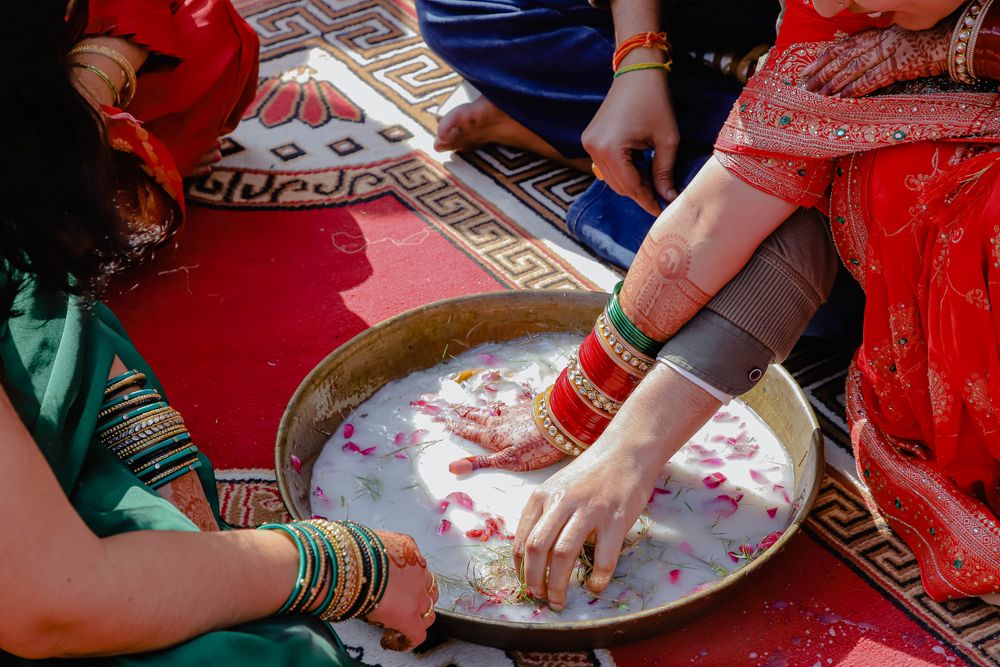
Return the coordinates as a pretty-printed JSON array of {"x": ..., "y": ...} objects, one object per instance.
[{"x": 57, "y": 221}]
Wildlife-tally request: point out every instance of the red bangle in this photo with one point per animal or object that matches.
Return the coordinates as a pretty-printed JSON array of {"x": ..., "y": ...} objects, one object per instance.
[
  {"x": 604, "y": 371},
  {"x": 645, "y": 40},
  {"x": 575, "y": 417}
]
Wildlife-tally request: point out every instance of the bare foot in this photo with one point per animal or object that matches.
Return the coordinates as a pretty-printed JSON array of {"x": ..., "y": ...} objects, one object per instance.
[
  {"x": 208, "y": 160},
  {"x": 480, "y": 122}
]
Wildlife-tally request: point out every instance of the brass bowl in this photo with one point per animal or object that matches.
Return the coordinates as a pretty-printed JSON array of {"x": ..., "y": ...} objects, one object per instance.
[{"x": 421, "y": 338}]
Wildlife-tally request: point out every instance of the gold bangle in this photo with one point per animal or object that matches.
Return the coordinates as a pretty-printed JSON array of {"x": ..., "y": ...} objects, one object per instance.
[
  {"x": 551, "y": 429},
  {"x": 149, "y": 441},
  {"x": 627, "y": 357},
  {"x": 963, "y": 40},
  {"x": 128, "y": 71},
  {"x": 138, "y": 379},
  {"x": 190, "y": 463},
  {"x": 127, "y": 443},
  {"x": 97, "y": 71}
]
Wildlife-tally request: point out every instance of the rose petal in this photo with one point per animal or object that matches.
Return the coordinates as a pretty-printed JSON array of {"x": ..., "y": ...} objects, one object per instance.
[
  {"x": 768, "y": 541},
  {"x": 319, "y": 492},
  {"x": 401, "y": 455},
  {"x": 685, "y": 548},
  {"x": 742, "y": 450},
  {"x": 418, "y": 436},
  {"x": 733, "y": 556},
  {"x": 657, "y": 491},
  {"x": 490, "y": 359},
  {"x": 443, "y": 506},
  {"x": 348, "y": 430},
  {"x": 724, "y": 417},
  {"x": 723, "y": 505},
  {"x": 350, "y": 447},
  {"x": 780, "y": 490},
  {"x": 699, "y": 450},
  {"x": 713, "y": 480},
  {"x": 296, "y": 464},
  {"x": 674, "y": 575},
  {"x": 399, "y": 439},
  {"x": 462, "y": 499},
  {"x": 319, "y": 516},
  {"x": 772, "y": 512},
  {"x": 712, "y": 462},
  {"x": 444, "y": 527},
  {"x": 758, "y": 476},
  {"x": 367, "y": 451},
  {"x": 426, "y": 408}
]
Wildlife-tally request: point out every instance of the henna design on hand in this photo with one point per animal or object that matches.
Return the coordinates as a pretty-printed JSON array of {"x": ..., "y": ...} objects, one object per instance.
[
  {"x": 403, "y": 551},
  {"x": 508, "y": 432},
  {"x": 658, "y": 296},
  {"x": 186, "y": 494}
]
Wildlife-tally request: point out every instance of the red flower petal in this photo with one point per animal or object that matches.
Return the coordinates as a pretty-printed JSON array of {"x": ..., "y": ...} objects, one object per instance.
[
  {"x": 758, "y": 476},
  {"x": 714, "y": 480},
  {"x": 348, "y": 430},
  {"x": 418, "y": 436},
  {"x": 319, "y": 492},
  {"x": 401, "y": 455},
  {"x": 443, "y": 506},
  {"x": 368, "y": 451},
  {"x": 490, "y": 359},
  {"x": 426, "y": 408},
  {"x": 723, "y": 505},
  {"x": 296, "y": 464},
  {"x": 780, "y": 490},
  {"x": 768, "y": 541},
  {"x": 399, "y": 439},
  {"x": 350, "y": 447},
  {"x": 772, "y": 512},
  {"x": 712, "y": 462},
  {"x": 674, "y": 575},
  {"x": 444, "y": 527},
  {"x": 462, "y": 499}
]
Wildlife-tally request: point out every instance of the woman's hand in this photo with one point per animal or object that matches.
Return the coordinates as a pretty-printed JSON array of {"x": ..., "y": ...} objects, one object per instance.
[
  {"x": 599, "y": 496},
  {"x": 509, "y": 432},
  {"x": 636, "y": 115},
  {"x": 408, "y": 604},
  {"x": 873, "y": 59}
]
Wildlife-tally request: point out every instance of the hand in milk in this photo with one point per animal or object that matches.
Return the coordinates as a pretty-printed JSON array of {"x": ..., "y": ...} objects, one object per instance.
[{"x": 509, "y": 432}]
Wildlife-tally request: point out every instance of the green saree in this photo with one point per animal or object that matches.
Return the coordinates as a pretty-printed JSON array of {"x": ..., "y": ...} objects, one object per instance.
[{"x": 55, "y": 356}]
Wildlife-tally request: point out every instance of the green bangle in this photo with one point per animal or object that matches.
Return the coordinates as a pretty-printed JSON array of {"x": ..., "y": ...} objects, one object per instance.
[
  {"x": 641, "y": 66},
  {"x": 128, "y": 416},
  {"x": 151, "y": 468},
  {"x": 302, "y": 562},
  {"x": 171, "y": 475},
  {"x": 137, "y": 457},
  {"x": 376, "y": 563},
  {"x": 310, "y": 591},
  {"x": 128, "y": 397},
  {"x": 383, "y": 559},
  {"x": 334, "y": 570},
  {"x": 631, "y": 333}
]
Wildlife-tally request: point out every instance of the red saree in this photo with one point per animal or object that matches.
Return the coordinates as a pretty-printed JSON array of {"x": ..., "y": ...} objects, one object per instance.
[
  {"x": 912, "y": 183},
  {"x": 201, "y": 73}
]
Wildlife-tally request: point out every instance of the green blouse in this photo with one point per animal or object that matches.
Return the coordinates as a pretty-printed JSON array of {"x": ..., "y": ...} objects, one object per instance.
[{"x": 55, "y": 356}]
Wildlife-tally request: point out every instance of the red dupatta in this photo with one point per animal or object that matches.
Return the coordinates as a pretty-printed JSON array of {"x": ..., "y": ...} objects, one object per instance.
[{"x": 912, "y": 206}]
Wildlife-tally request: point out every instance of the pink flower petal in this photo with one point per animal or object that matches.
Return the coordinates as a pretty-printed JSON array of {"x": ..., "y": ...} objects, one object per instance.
[
  {"x": 444, "y": 527},
  {"x": 443, "y": 506},
  {"x": 712, "y": 462},
  {"x": 657, "y": 491},
  {"x": 399, "y": 439},
  {"x": 426, "y": 408},
  {"x": 724, "y": 417},
  {"x": 318, "y": 516},
  {"x": 772, "y": 512},
  {"x": 723, "y": 505},
  {"x": 462, "y": 499},
  {"x": 700, "y": 450},
  {"x": 714, "y": 480},
  {"x": 758, "y": 476},
  {"x": 733, "y": 556},
  {"x": 492, "y": 376},
  {"x": 675, "y": 576},
  {"x": 348, "y": 430},
  {"x": 418, "y": 436},
  {"x": 368, "y": 451},
  {"x": 718, "y": 437},
  {"x": 296, "y": 464},
  {"x": 685, "y": 548},
  {"x": 401, "y": 455},
  {"x": 768, "y": 541},
  {"x": 350, "y": 447},
  {"x": 490, "y": 359},
  {"x": 742, "y": 450},
  {"x": 780, "y": 490},
  {"x": 319, "y": 492}
]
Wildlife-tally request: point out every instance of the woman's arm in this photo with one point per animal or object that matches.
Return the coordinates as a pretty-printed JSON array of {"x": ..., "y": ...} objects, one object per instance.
[
  {"x": 65, "y": 592},
  {"x": 89, "y": 83}
]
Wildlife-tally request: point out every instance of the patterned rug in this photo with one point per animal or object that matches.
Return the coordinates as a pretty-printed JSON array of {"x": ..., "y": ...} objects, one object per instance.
[{"x": 331, "y": 212}]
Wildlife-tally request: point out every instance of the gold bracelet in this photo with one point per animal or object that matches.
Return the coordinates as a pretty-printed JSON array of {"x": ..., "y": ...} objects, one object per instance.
[
  {"x": 551, "y": 429},
  {"x": 128, "y": 71},
  {"x": 138, "y": 379},
  {"x": 97, "y": 71},
  {"x": 962, "y": 41},
  {"x": 627, "y": 357}
]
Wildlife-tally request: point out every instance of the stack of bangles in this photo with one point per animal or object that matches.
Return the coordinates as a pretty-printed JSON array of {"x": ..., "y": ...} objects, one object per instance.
[
  {"x": 645, "y": 40},
  {"x": 607, "y": 367},
  {"x": 128, "y": 72},
  {"x": 964, "y": 36},
  {"x": 145, "y": 433},
  {"x": 342, "y": 561}
]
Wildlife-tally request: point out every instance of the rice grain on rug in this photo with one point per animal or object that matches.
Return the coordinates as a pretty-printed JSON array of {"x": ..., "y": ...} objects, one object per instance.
[{"x": 331, "y": 212}]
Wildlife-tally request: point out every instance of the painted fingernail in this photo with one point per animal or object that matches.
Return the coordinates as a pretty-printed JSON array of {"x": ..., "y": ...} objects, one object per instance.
[{"x": 462, "y": 466}]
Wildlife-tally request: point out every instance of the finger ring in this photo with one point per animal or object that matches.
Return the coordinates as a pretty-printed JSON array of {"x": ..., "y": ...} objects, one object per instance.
[
  {"x": 394, "y": 641},
  {"x": 597, "y": 171},
  {"x": 434, "y": 585},
  {"x": 427, "y": 614}
]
